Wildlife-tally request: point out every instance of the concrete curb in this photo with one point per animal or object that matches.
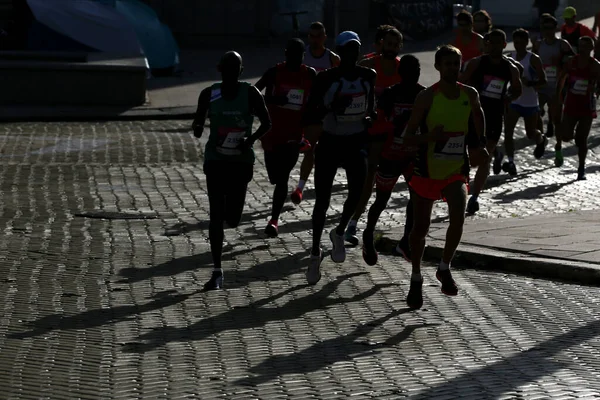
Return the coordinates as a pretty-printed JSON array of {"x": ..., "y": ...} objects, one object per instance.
[
  {"x": 492, "y": 259},
  {"x": 83, "y": 114}
]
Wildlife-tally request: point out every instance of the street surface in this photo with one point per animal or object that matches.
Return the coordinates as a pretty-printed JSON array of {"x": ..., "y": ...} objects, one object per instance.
[{"x": 105, "y": 249}]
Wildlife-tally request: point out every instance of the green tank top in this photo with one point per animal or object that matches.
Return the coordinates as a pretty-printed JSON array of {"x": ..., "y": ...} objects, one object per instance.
[
  {"x": 230, "y": 122},
  {"x": 443, "y": 159}
]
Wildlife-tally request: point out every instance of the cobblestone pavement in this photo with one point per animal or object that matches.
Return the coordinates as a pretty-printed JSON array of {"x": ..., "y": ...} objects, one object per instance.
[{"x": 110, "y": 307}]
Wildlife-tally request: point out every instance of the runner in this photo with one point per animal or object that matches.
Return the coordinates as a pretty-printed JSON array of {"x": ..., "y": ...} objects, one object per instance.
[
  {"x": 394, "y": 106},
  {"x": 552, "y": 52},
  {"x": 490, "y": 74},
  {"x": 579, "y": 78},
  {"x": 378, "y": 44},
  {"x": 467, "y": 40},
  {"x": 572, "y": 30},
  {"x": 347, "y": 96},
  {"x": 386, "y": 65},
  {"x": 228, "y": 156},
  {"x": 482, "y": 22},
  {"x": 320, "y": 58},
  {"x": 526, "y": 106},
  {"x": 287, "y": 86},
  {"x": 455, "y": 126}
]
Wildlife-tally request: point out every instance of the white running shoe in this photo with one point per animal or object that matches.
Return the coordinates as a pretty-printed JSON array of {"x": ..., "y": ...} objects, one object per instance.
[
  {"x": 338, "y": 252},
  {"x": 313, "y": 273}
]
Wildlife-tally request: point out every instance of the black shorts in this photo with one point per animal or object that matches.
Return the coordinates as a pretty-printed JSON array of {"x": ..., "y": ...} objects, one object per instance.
[
  {"x": 389, "y": 171},
  {"x": 281, "y": 161},
  {"x": 494, "y": 124},
  {"x": 224, "y": 175}
]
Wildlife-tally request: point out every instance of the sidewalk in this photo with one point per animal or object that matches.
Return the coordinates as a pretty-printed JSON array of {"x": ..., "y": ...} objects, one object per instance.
[{"x": 557, "y": 246}]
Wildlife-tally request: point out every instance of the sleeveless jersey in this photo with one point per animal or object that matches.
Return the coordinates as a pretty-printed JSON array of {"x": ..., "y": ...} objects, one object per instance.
[
  {"x": 580, "y": 100},
  {"x": 382, "y": 82},
  {"x": 349, "y": 120},
  {"x": 529, "y": 96},
  {"x": 401, "y": 101},
  {"x": 470, "y": 50},
  {"x": 230, "y": 122},
  {"x": 491, "y": 81},
  {"x": 573, "y": 36},
  {"x": 550, "y": 54},
  {"x": 443, "y": 159},
  {"x": 318, "y": 63},
  {"x": 286, "y": 119}
]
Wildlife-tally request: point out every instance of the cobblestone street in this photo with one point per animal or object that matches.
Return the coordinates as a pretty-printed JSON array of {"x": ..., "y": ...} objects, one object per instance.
[{"x": 105, "y": 251}]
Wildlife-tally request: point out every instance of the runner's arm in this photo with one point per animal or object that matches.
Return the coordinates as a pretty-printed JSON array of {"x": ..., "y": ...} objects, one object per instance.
[
  {"x": 562, "y": 77},
  {"x": 259, "y": 108},
  {"x": 418, "y": 115},
  {"x": 313, "y": 113},
  {"x": 201, "y": 112},
  {"x": 466, "y": 76},
  {"x": 371, "y": 76},
  {"x": 540, "y": 73},
  {"x": 516, "y": 87},
  {"x": 478, "y": 116},
  {"x": 334, "y": 59},
  {"x": 266, "y": 80}
]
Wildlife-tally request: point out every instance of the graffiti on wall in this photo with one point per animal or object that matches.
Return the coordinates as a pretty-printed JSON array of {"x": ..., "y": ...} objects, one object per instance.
[{"x": 418, "y": 18}]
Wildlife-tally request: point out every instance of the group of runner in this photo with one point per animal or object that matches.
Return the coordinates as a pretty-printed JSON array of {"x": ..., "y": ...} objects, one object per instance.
[{"x": 372, "y": 118}]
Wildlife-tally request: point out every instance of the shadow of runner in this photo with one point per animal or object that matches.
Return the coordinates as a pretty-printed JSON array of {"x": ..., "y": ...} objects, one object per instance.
[
  {"x": 328, "y": 352},
  {"x": 505, "y": 376},
  {"x": 179, "y": 265},
  {"x": 99, "y": 317},
  {"x": 251, "y": 316},
  {"x": 533, "y": 192}
]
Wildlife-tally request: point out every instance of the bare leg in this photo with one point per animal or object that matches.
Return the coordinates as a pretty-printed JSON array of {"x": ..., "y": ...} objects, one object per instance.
[
  {"x": 422, "y": 220},
  {"x": 456, "y": 196}
]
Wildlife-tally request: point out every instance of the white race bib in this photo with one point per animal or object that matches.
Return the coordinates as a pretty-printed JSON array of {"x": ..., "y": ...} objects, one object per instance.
[
  {"x": 580, "y": 86},
  {"x": 356, "y": 110},
  {"x": 453, "y": 148},
  {"x": 493, "y": 87},
  {"x": 230, "y": 139},
  {"x": 551, "y": 72}
]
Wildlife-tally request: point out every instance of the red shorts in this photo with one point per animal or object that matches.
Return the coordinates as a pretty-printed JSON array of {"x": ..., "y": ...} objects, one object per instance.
[{"x": 432, "y": 188}]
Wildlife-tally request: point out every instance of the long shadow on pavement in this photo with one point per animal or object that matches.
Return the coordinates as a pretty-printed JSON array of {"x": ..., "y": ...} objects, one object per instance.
[
  {"x": 328, "y": 352},
  {"x": 254, "y": 315},
  {"x": 505, "y": 376},
  {"x": 533, "y": 192}
]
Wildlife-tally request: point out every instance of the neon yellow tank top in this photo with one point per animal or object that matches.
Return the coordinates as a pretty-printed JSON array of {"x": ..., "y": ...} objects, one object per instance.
[{"x": 445, "y": 158}]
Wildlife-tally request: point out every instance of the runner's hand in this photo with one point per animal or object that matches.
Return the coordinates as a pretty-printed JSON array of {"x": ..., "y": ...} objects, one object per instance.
[
  {"x": 197, "y": 130},
  {"x": 437, "y": 134}
]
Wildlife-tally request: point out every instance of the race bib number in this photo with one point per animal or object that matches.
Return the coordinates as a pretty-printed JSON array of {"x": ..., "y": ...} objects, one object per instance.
[
  {"x": 295, "y": 99},
  {"x": 229, "y": 140},
  {"x": 580, "y": 86},
  {"x": 493, "y": 87},
  {"x": 453, "y": 148},
  {"x": 551, "y": 72},
  {"x": 356, "y": 110}
]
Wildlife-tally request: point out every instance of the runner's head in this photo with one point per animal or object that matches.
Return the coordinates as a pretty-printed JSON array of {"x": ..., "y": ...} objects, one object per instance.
[
  {"x": 392, "y": 43},
  {"x": 231, "y": 66},
  {"x": 294, "y": 52},
  {"x": 464, "y": 20},
  {"x": 482, "y": 22},
  {"x": 585, "y": 46},
  {"x": 382, "y": 30},
  {"x": 520, "y": 39},
  {"x": 347, "y": 45},
  {"x": 570, "y": 15},
  {"x": 548, "y": 26},
  {"x": 486, "y": 43},
  {"x": 496, "y": 42},
  {"x": 447, "y": 62},
  {"x": 317, "y": 36},
  {"x": 409, "y": 69}
]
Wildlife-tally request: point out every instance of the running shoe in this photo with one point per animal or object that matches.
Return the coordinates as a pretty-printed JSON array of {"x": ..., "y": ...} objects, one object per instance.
[
  {"x": 350, "y": 235},
  {"x": 539, "y": 150},
  {"x": 216, "y": 281},
  {"x": 403, "y": 249},
  {"x": 558, "y": 157},
  {"x": 472, "y": 206},
  {"x": 449, "y": 287},
  {"x": 369, "y": 252},
  {"x": 498, "y": 157},
  {"x": 313, "y": 273},
  {"x": 581, "y": 174},
  {"x": 414, "y": 299},
  {"x": 338, "y": 251},
  {"x": 296, "y": 196},
  {"x": 272, "y": 230},
  {"x": 510, "y": 168}
]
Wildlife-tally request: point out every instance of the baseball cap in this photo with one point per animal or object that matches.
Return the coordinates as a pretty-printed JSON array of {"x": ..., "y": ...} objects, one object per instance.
[
  {"x": 346, "y": 37},
  {"x": 570, "y": 12}
]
